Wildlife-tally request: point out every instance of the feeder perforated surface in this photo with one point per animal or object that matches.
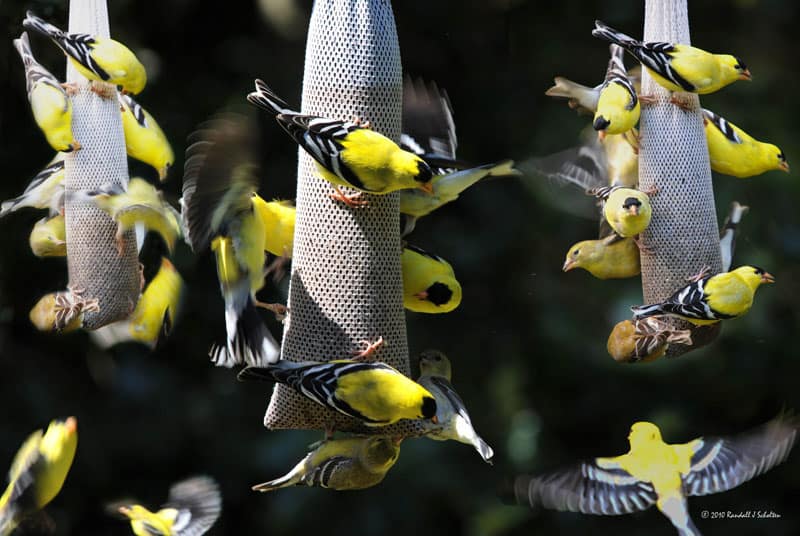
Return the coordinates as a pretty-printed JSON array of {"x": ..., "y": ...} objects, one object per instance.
[
  {"x": 346, "y": 283},
  {"x": 93, "y": 261},
  {"x": 683, "y": 235}
]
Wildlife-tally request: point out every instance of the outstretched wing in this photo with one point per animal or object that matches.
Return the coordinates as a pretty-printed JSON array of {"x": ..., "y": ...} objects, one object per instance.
[{"x": 198, "y": 503}]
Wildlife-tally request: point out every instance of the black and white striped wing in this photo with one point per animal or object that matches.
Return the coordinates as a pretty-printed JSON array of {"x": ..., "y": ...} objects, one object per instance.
[
  {"x": 428, "y": 127},
  {"x": 133, "y": 108},
  {"x": 321, "y": 475},
  {"x": 658, "y": 57},
  {"x": 721, "y": 124},
  {"x": 617, "y": 74},
  {"x": 599, "y": 487},
  {"x": 691, "y": 302},
  {"x": 719, "y": 464},
  {"x": 198, "y": 503}
]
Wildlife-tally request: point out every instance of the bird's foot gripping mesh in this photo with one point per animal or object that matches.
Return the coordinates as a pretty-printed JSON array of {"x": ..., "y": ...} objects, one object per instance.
[
  {"x": 683, "y": 235},
  {"x": 93, "y": 259},
  {"x": 346, "y": 284}
]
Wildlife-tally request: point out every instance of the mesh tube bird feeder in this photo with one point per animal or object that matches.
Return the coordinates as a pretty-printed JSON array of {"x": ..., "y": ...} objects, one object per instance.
[
  {"x": 683, "y": 235},
  {"x": 346, "y": 283},
  {"x": 94, "y": 263}
]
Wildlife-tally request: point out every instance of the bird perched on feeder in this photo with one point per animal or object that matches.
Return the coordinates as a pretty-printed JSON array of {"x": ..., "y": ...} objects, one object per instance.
[
  {"x": 734, "y": 152},
  {"x": 679, "y": 67},
  {"x": 38, "y": 472},
  {"x": 49, "y": 237},
  {"x": 727, "y": 233},
  {"x": 46, "y": 190},
  {"x": 451, "y": 413},
  {"x": 96, "y": 58},
  {"x": 341, "y": 464},
  {"x": 221, "y": 210},
  {"x": 144, "y": 139},
  {"x": 52, "y": 109},
  {"x": 429, "y": 131},
  {"x": 711, "y": 298},
  {"x": 141, "y": 204},
  {"x": 617, "y": 106},
  {"x": 192, "y": 508},
  {"x": 347, "y": 154},
  {"x": 644, "y": 340},
  {"x": 655, "y": 472},
  {"x": 626, "y": 210},
  {"x": 374, "y": 393},
  {"x": 611, "y": 257},
  {"x": 62, "y": 311},
  {"x": 429, "y": 283}
]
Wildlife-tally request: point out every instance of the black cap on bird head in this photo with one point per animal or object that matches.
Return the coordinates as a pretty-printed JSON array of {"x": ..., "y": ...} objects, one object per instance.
[
  {"x": 632, "y": 205},
  {"x": 601, "y": 123},
  {"x": 766, "y": 277},
  {"x": 438, "y": 293},
  {"x": 429, "y": 408},
  {"x": 744, "y": 72},
  {"x": 424, "y": 172}
]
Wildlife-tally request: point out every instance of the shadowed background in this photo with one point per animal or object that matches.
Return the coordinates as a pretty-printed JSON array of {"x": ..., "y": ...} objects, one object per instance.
[{"x": 527, "y": 343}]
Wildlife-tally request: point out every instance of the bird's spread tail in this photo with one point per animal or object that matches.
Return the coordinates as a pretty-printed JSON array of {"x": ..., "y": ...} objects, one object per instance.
[
  {"x": 643, "y": 311},
  {"x": 566, "y": 88},
  {"x": 607, "y": 33},
  {"x": 23, "y": 46},
  {"x": 266, "y": 99},
  {"x": 249, "y": 340},
  {"x": 7, "y": 207},
  {"x": 32, "y": 22}
]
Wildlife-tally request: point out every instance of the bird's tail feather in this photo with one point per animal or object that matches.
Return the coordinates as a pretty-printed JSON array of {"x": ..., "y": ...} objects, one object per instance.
[
  {"x": 607, "y": 33},
  {"x": 292, "y": 478},
  {"x": 727, "y": 234},
  {"x": 643, "y": 311},
  {"x": 584, "y": 98},
  {"x": 483, "y": 449},
  {"x": 7, "y": 207},
  {"x": 249, "y": 340},
  {"x": 23, "y": 46},
  {"x": 266, "y": 99},
  {"x": 32, "y": 22}
]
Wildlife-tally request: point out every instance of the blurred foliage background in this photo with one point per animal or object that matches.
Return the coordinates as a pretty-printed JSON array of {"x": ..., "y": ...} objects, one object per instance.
[{"x": 528, "y": 342}]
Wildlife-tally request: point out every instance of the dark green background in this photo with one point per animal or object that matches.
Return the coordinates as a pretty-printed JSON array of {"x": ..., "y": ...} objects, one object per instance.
[{"x": 527, "y": 343}]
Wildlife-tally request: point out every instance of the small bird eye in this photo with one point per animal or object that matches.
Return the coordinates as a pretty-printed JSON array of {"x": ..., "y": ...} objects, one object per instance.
[
  {"x": 576, "y": 252},
  {"x": 782, "y": 157}
]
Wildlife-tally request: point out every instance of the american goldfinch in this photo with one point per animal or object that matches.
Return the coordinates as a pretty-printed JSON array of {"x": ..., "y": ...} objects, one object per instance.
[
  {"x": 278, "y": 218},
  {"x": 192, "y": 507},
  {"x": 49, "y": 237},
  {"x": 221, "y": 211},
  {"x": 734, "y": 152},
  {"x": 727, "y": 233},
  {"x": 607, "y": 258},
  {"x": 618, "y": 106},
  {"x": 679, "y": 67},
  {"x": 712, "y": 297},
  {"x": 96, "y": 58},
  {"x": 144, "y": 139},
  {"x": 347, "y": 154},
  {"x": 429, "y": 284},
  {"x": 38, "y": 472},
  {"x": 374, "y": 393},
  {"x": 451, "y": 413},
  {"x": 46, "y": 190},
  {"x": 141, "y": 204},
  {"x": 644, "y": 340},
  {"x": 62, "y": 311},
  {"x": 341, "y": 464},
  {"x": 51, "y": 106},
  {"x": 655, "y": 472},
  {"x": 626, "y": 210}
]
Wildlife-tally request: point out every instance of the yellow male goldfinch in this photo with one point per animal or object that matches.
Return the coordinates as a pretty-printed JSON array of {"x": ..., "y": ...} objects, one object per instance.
[
  {"x": 429, "y": 284},
  {"x": 679, "y": 67},
  {"x": 46, "y": 190},
  {"x": 144, "y": 139},
  {"x": 655, "y": 472},
  {"x": 727, "y": 233},
  {"x": 626, "y": 210},
  {"x": 141, "y": 203},
  {"x": 374, "y": 393},
  {"x": 341, "y": 464},
  {"x": 347, "y": 154},
  {"x": 222, "y": 211},
  {"x": 712, "y": 297},
  {"x": 618, "y": 106},
  {"x": 644, "y": 340},
  {"x": 192, "y": 508},
  {"x": 96, "y": 58},
  {"x": 49, "y": 237},
  {"x": 611, "y": 257},
  {"x": 38, "y": 472},
  {"x": 430, "y": 132},
  {"x": 51, "y": 106},
  {"x": 62, "y": 311},
  {"x": 435, "y": 372},
  {"x": 734, "y": 152}
]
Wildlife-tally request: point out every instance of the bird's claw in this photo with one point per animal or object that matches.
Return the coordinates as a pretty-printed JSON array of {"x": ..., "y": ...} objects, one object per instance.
[
  {"x": 651, "y": 190},
  {"x": 362, "y": 123},
  {"x": 103, "y": 89},
  {"x": 278, "y": 309},
  {"x": 704, "y": 271},
  {"x": 352, "y": 201},
  {"x": 70, "y": 88},
  {"x": 647, "y": 99},
  {"x": 683, "y": 101},
  {"x": 369, "y": 351},
  {"x": 642, "y": 247}
]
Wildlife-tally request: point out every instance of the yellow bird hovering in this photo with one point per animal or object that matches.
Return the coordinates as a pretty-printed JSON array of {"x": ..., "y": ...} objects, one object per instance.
[
  {"x": 96, "y": 58},
  {"x": 734, "y": 152},
  {"x": 38, "y": 472},
  {"x": 51, "y": 106},
  {"x": 144, "y": 139},
  {"x": 192, "y": 508},
  {"x": 655, "y": 472},
  {"x": 46, "y": 190},
  {"x": 429, "y": 283}
]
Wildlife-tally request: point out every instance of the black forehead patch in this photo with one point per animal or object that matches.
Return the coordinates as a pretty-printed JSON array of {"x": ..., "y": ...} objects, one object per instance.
[
  {"x": 739, "y": 63},
  {"x": 439, "y": 293},
  {"x": 630, "y": 202}
]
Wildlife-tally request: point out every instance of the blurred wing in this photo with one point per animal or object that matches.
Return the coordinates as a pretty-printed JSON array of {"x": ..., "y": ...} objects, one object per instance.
[
  {"x": 219, "y": 177},
  {"x": 198, "y": 503},
  {"x": 599, "y": 486},
  {"x": 719, "y": 464},
  {"x": 428, "y": 127}
]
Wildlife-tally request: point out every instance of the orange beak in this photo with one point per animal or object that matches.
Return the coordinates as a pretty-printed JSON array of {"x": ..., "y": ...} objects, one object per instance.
[
  {"x": 601, "y": 135},
  {"x": 435, "y": 419},
  {"x": 71, "y": 425},
  {"x": 421, "y": 295},
  {"x": 426, "y": 187},
  {"x": 633, "y": 210},
  {"x": 745, "y": 75},
  {"x": 767, "y": 277},
  {"x": 784, "y": 166},
  {"x": 569, "y": 264}
]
